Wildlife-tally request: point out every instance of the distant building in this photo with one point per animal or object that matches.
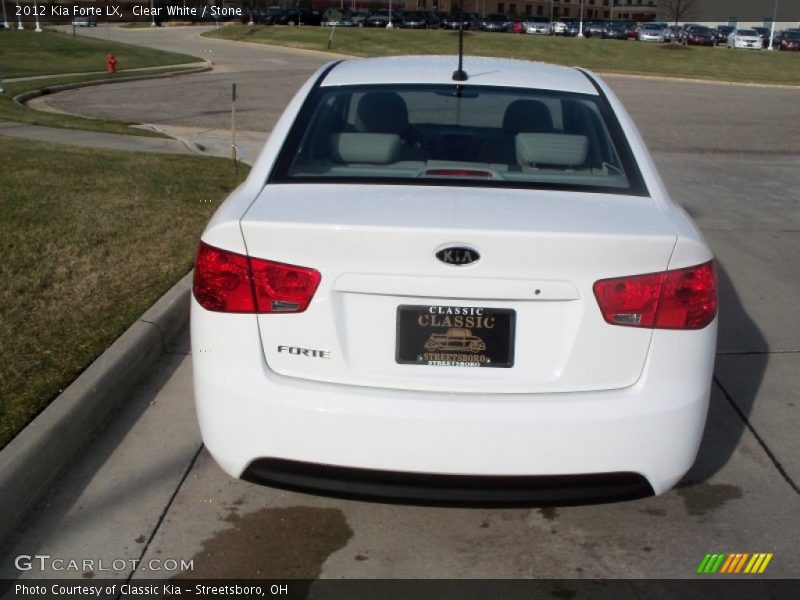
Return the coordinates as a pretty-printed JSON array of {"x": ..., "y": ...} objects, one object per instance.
[{"x": 638, "y": 10}]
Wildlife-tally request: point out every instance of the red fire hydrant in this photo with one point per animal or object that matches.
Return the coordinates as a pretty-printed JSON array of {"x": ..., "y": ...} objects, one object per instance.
[{"x": 111, "y": 61}]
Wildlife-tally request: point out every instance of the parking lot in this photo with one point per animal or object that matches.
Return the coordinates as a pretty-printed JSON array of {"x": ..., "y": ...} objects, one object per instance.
[{"x": 145, "y": 489}]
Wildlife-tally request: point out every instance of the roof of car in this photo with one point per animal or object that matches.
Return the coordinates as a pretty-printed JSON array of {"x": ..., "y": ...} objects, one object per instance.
[{"x": 439, "y": 70}]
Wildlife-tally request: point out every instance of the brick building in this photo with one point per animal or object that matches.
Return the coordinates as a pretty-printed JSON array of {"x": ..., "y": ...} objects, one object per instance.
[{"x": 638, "y": 10}]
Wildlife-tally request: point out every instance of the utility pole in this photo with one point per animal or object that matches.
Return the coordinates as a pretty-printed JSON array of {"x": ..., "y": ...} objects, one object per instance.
[
  {"x": 580, "y": 25},
  {"x": 772, "y": 29},
  {"x": 36, "y": 14},
  {"x": 5, "y": 18}
]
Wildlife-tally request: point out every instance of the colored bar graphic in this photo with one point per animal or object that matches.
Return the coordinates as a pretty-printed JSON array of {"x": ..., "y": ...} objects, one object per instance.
[
  {"x": 703, "y": 563},
  {"x": 755, "y": 561},
  {"x": 717, "y": 563},
  {"x": 734, "y": 563},
  {"x": 727, "y": 564},
  {"x": 765, "y": 563},
  {"x": 740, "y": 564}
]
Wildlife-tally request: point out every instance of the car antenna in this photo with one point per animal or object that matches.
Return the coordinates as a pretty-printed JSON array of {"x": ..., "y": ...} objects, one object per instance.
[{"x": 460, "y": 74}]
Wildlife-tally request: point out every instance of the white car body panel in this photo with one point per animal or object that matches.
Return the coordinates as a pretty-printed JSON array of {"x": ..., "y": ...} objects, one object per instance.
[
  {"x": 594, "y": 398},
  {"x": 567, "y": 348}
]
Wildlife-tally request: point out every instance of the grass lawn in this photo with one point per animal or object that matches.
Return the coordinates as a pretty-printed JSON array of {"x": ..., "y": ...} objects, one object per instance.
[
  {"x": 11, "y": 111},
  {"x": 89, "y": 239},
  {"x": 599, "y": 55},
  {"x": 26, "y": 53}
]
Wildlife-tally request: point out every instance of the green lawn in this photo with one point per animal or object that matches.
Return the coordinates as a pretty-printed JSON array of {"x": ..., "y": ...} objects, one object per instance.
[
  {"x": 599, "y": 55},
  {"x": 26, "y": 53},
  {"x": 89, "y": 239}
]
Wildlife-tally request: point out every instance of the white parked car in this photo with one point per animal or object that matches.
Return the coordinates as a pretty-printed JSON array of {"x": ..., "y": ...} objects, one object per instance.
[
  {"x": 651, "y": 32},
  {"x": 538, "y": 26},
  {"x": 471, "y": 289},
  {"x": 744, "y": 38}
]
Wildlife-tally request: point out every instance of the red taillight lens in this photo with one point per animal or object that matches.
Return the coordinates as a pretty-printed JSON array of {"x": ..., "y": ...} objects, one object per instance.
[
  {"x": 230, "y": 282},
  {"x": 679, "y": 299}
]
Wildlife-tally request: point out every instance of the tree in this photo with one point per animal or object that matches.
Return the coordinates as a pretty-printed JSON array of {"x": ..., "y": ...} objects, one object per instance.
[{"x": 678, "y": 10}]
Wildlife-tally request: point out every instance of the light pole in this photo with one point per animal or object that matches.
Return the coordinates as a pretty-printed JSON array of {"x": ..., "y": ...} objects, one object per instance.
[
  {"x": 772, "y": 29},
  {"x": 19, "y": 18},
  {"x": 580, "y": 24},
  {"x": 152, "y": 15},
  {"x": 5, "y": 18},
  {"x": 36, "y": 14}
]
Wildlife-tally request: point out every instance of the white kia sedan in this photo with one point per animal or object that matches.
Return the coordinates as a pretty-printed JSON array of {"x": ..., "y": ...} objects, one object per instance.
[{"x": 454, "y": 285}]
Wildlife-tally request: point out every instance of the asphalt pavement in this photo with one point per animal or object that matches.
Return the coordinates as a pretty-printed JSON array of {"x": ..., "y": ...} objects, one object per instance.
[{"x": 146, "y": 489}]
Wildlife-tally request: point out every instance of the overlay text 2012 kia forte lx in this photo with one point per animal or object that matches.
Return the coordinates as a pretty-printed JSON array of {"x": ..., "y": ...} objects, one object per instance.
[{"x": 467, "y": 286}]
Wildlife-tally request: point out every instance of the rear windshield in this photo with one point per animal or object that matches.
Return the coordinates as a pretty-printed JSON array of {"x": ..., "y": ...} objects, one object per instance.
[{"x": 439, "y": 135}]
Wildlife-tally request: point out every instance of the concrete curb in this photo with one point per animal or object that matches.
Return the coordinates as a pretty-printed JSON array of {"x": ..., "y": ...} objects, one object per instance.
[
  {"x": 40, "y": 451},
  {"x": 21, "y": 99}
]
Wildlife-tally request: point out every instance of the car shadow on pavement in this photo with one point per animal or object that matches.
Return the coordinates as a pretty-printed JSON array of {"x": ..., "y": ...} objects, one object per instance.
[{"x": 729, "y": 412}]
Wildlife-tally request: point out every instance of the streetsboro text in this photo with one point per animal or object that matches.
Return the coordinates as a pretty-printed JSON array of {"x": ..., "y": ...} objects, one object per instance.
[{"x": 127, "y": 589}]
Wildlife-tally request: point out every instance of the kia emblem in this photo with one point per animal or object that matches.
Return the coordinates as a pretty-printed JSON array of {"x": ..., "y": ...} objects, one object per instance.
[{"x": 458, "y": 255}]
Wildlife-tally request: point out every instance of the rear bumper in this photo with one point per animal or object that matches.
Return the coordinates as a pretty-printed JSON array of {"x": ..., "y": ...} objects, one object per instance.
[
  {"x": 433, "y": 489},
  {"x": 248, "y": 413}
]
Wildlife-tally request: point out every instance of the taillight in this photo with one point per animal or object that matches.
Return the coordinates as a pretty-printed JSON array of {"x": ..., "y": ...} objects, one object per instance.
[
  {"x": 679, "y": 299},
  {"x": 230, "y": 282}
]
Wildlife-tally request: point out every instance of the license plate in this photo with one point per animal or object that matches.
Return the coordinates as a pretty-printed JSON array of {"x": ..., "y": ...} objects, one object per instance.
[{"x": 455, "y": 336}]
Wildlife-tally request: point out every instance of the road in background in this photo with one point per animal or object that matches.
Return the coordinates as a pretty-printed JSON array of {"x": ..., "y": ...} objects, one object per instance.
[{"x": 729, "y": 154}]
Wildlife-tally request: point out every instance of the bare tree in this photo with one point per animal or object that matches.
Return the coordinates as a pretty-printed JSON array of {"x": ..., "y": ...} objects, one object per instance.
[{"x": 678, "y": 10}]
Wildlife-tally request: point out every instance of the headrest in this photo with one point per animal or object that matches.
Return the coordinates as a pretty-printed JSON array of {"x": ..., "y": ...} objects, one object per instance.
[
  {"x": 370, "y": 148},
  {"x": 554, "y": 149},
  {"x": 382, "y": 112},
  {"x": 527, "y": 116}
]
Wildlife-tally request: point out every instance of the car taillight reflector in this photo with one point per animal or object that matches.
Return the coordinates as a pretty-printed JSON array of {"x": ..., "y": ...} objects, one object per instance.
[
  {"x": 678, "y": 299},
  {"x": 230, "y": 282}
]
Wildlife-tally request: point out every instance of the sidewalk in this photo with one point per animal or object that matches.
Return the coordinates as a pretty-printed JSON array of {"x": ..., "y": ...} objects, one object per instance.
[
  {"x": 187, "y": 140},
  {"x": 137, "y": 70},
  {"x": 93, "y": 139}
]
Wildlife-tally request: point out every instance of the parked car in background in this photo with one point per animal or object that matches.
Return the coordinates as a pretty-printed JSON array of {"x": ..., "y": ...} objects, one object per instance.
[
  {"x": 614, "y": 30},
  {"x": 434, "y": 20},
  {"x": 721, "y": 34},
  {"x": 515, "y": 26},
  {"x": 359, "y": 17},
  {"x": 788, "y": 39},
  {"x": 561, "y": 26},
  {"x": 453, "y": 21},
  {"x": 537, "y": 26},
  {"x": 744, "y": 38},
  {"x": 699, "y": 35},
  {"x": 381, "y": 18},
  {"x": 633, "y": 29},
  {"x": 85, "y": 21},
  {"x": 593, "y": 28},
  {"x": 331, "y": 17},
  {"x": 580, "y": 301},
  {"x": 651, "y": 32},
  {"x": 270, "y": 16},
  {"x": 763, "y": 33},
  {"x": 414, "y": 20},
  {"x": 495, "y": 22},
  {"x": 672, "y": 33}
]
